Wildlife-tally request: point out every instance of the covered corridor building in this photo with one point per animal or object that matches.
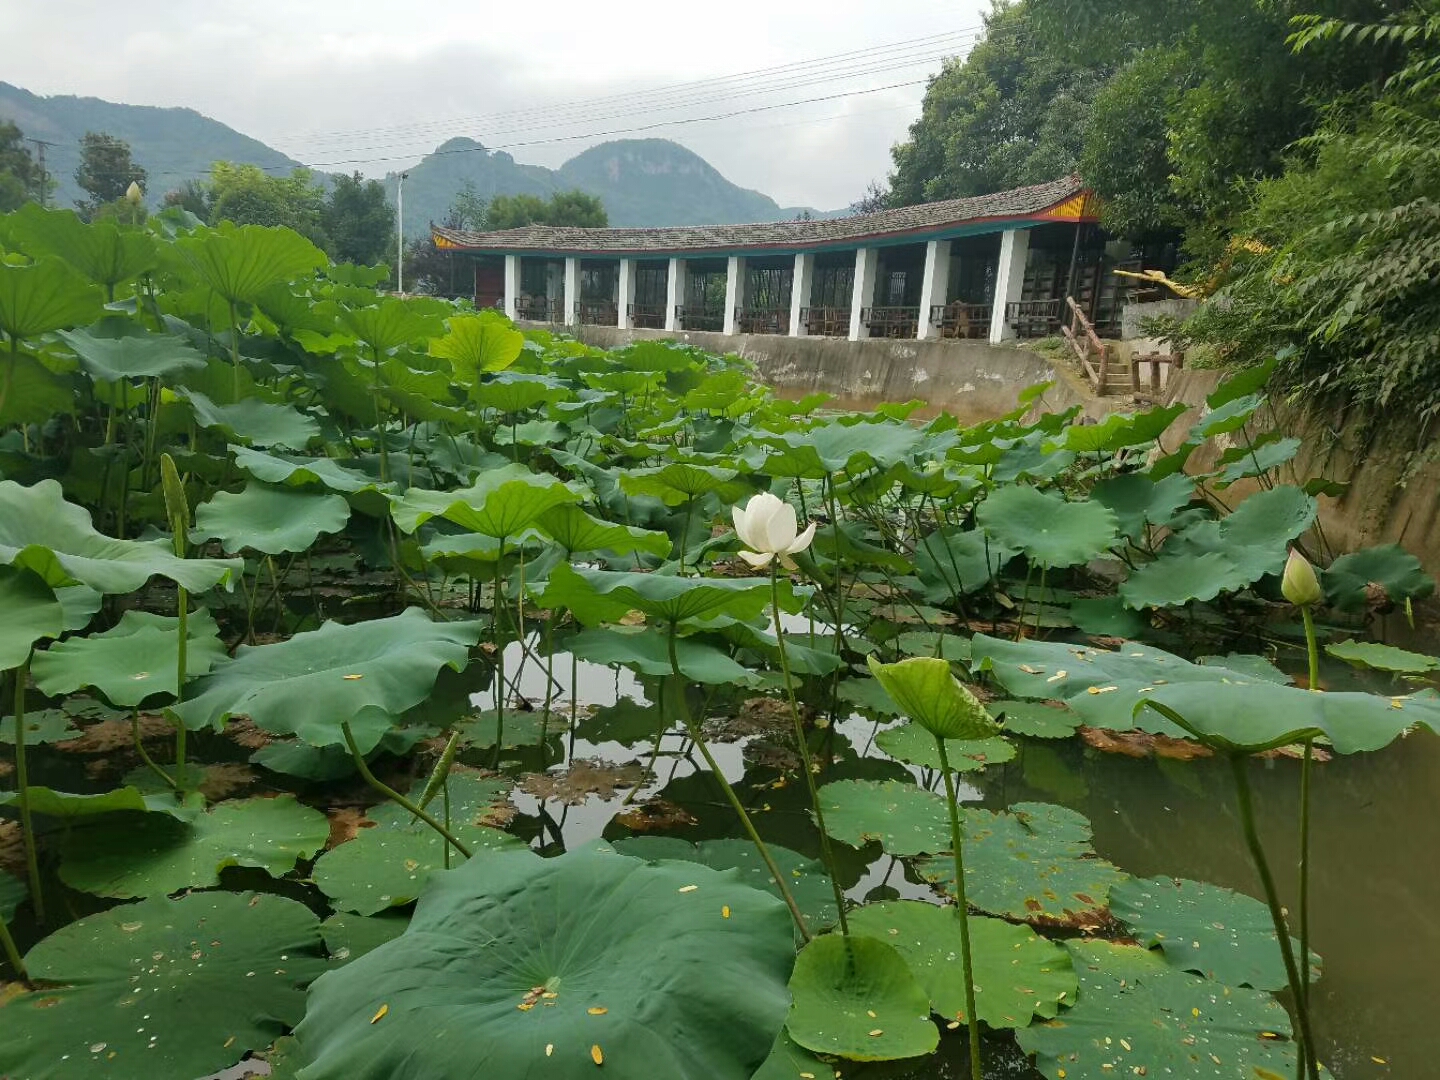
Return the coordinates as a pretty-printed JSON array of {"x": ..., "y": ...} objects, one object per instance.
[{"x": 990, "y": 267}]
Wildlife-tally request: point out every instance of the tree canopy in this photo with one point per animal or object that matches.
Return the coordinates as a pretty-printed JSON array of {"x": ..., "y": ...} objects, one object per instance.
[
  {"x": 106, "y": 171},
  {"x": 20, "y": 176},
  {"x": 572, "y": 208}
]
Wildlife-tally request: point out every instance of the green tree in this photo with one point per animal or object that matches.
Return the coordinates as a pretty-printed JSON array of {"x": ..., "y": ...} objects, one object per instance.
[
  {"x": 468, "y": 209},
  {"x": 570, "y": 208},
  {"x": 358, "y": 221},
  {"x": 106, "y": 171},
  {"x": 247, "y": 195},
  {"x": 20, "y": 177}
]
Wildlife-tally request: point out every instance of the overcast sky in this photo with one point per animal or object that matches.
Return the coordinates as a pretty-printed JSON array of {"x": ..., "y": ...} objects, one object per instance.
[{"x": 374, "y": 84}]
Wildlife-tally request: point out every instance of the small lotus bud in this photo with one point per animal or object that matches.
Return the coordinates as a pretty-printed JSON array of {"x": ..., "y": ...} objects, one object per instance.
[
  {"x": 132, "y": 194},
  {"x": 1300, "y": 585},
  {"x": 177, "y": 506}
]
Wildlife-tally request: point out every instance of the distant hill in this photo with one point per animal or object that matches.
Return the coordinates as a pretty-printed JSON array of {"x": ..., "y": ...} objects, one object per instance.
[
  {"x": 642, "y": 182},
  {"x": 173, "y": 145}
]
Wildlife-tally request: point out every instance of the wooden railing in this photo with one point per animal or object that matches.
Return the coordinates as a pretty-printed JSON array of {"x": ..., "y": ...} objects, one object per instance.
[
  {"x": 891, "y": 322},
  {"x": 539, "y": 309},
  {"x": 961, "y": 320},
  {"x": 646, "y": 316},
  {"x": 762, "y": 320},
  {"x": 597, "y": 312},
  {"x": 1086, "y": 345},
  {"x": 707, "y": 319},
  {"x": 826, "y": 321},
  {"x": 1035, "y": 318}
]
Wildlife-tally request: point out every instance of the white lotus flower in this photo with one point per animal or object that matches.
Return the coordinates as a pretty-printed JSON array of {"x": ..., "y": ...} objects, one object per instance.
[{"x": 767, "y": 526}]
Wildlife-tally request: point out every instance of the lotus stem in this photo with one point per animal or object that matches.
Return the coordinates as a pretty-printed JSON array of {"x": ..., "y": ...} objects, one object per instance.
[
  {"x": 1312, "y": 650},
  {"x": 22, "y": 781},
  {"x": 1308, "y": 1058},
  {"x": 497, "y": 606},
  {"x": 394, "y": 796},
  {"x": 735, "y": 803},
  {"x": 12, "y": 954},
  {"x": 183, "y": 611},
  {"x": 962, "y": 912},
  {"x": 145, "y": 756},
  {"x": 804, "y": 746}
]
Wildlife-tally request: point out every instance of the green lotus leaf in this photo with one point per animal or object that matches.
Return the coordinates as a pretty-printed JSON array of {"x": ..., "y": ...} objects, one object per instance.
[
  {"x": 70, "y": 806},
  {"x": 1212, "y": 931},
  {"x": 478, "y": 343},
  {"x": 1033, "y": 863},
  {"x": 904, "y": 817},
  {"x": 239, "y": 262},
  {"x": 46, "y": 295},
  {"x": 648, "y": 975},
  {"x": 349, "y": 936},
  {"x": 182, "y": 987},
  {"x": 32, "y": 613},
  {"x": 1137, "y": 1015},
  {"x": 575, "y": 530},
  {"x": 303, "y": 472},
  {"x": 256, "y": 422},
  {"x": 680, "y": 481},
  {"x": 153, "y": 854},
  {"x": 664, "y": 356},
  {"x": 1106, "y": 616},
  {"x": 868, "y": 694},
  {"x": 927, "y": 691},
  {"x": 1242, "y": 383},
  {"x": 268, "y": 519},
  {"x": 389, "y": 324},
  {"x": 13, "y": 892},
  {"x": 1029, "y": 458},
  {"x": 605, "y": 596},
  {"x": 101, "y": 250},
  {"x": 39, "y": 530},
  {"x": 1119, "y": 430},
  {"x": 1175, "y": 580},
  {"x": 1018, "y": 974},
  {"x": 136, "y": 659},
  {"x": 647, "y": 651},
  {"x": 514, "y": 392},
  {"x": 294, "y": 758},
  {"x": 1036, "y": 719},
  {"x": 951, "y": 647},
  {"x": 913, "y": 744},
  {"x": 1380, "y": 657},
  {"x": 951, "y": 560},
  {"x": 1049, "y": 530},
  {"x": 789, "y": 1060},
  {"x": 855, "y": 998},
  {"x": 1256, "y": 667},
  {"x": 1234, "y": 414},
  {"x": 807, "y": 879},
  {"x": 32, "y": 393},
  {"x": 1137, "y": 500},
  {"x": 501, "y": 503},
  {"x": 1398, "y": 574},
  {"x": 1242, "y": 462},
  {"x": 1256, "y": 715},
  {"x": 364, "y": 674},
  {"x": 116, "y": 349},
  {"x": 837, "y": 447},
  {"x": 41, "y": 727}
]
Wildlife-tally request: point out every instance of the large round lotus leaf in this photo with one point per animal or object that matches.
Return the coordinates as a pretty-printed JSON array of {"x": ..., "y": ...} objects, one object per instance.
[
  {"x": 832, "y": 446},
  {"x": 483, "y": 342},
  {"x": 1371, "y": 654},
  {"x": 1138, "y": 1016},
  {"x": 1033, "y": 863},
  {"x": 39, "y": 530},
  {"x": 132, "y": 661},
  {"x": 1397, "y": 572},
  {"x": 117, "y": 349},
  {"x": 364, "y": 674},
  {"x": 954, "y": 560},
  {"x": 1018, "y": 974},
  {"x": 605, "y": 595},
  {"x": 575, "y": 530},
  {"x": 1255, "y": 716},
  {"x": 1212, "y": 931},
  {"x": 1254, "y": 539},
  {"x": 67, "y": 805},
  {"x": 905, "y": 818},
  {"x": 1119, "y": 430},
  {"x": 648, "y": 652},
  {"x": 267, "y": 519},
  {"x": 101, "y": 250},
  {"x": 349, "y": 937},
  {"x": 43, "y": 726},
  {"x": 1036, "y": 719},
  {"x": 927, "y": 691},
  {"x": 1257, "y": 459},
  {"x": 680, "y": 481},
  {"x": 1051, "y": 531},
  {"x": 502, "y": 502},
  {"x": 46, "y": 295},
  {"x": 1174, "y": 580},
  {"x": 302, "y": 472},
  {"x": 390, "y": 322},
  {"x": 256, "y": 422},
  {"x": 913, "y": 744},
  {"x": 12, "y": 893},
  {"x": 154, "y": 854},
  {"x": 856, "y": 998},
  {"x": 31, "y": 614},
  {"x": 163, "y": 988},
  {"x": 807, "y": 880},
  {"x": 241, "y": 261},
  {"x": 668, "y": 969},
  {"x": 513, "y": 392},
  {"x": 789, "y": 1060}
]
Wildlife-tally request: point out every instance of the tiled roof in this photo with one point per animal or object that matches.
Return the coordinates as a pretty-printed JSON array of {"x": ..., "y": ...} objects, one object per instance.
[{"x": 1028, "y": 203}]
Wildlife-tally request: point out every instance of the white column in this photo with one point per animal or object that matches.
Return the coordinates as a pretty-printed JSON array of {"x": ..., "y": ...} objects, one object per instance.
[
  {"x": 675, "y": 284},
  {"x": 734, "y": 290},
  {"x": 512, "y": 286},
  {"x": 1009, "y": 280},
  {"x": 867, "y": 267},
  {"x": 801, "y": 285},
  {"x": 934, "y": 286},
  {"x": 625, "y": 295},
  {"x": 572, "y": 292}
]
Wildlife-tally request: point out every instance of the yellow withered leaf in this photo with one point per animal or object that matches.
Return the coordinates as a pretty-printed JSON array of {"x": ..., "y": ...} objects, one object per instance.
[
  {"x": 597, "y": 1010},
  {"x": 380, "y": 1014},
  {"x": 597, "y": 1055}
]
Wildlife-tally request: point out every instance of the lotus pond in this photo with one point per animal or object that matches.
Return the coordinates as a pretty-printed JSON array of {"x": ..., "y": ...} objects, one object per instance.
[{"x": 393, "y": 694}]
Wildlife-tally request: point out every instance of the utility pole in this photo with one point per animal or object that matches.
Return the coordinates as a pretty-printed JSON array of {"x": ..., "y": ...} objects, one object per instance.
[
  {"x": 40, "y": 145},
  {"x": 400, "y": 234}
]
